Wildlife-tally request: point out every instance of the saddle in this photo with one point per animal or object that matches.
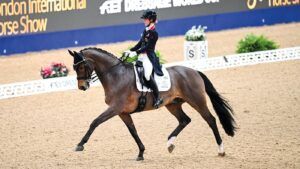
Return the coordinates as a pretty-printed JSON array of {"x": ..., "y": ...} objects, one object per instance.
[{"x": 163, "y": 84}]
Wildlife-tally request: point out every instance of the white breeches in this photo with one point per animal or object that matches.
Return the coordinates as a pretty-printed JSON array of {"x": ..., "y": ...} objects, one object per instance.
[{"x": 148, "y": 67}]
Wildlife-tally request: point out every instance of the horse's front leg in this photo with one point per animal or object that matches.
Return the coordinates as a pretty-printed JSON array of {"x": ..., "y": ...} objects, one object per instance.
[
  {"x": 130, "y": 125},
  {"x": 109, "y": 113}
]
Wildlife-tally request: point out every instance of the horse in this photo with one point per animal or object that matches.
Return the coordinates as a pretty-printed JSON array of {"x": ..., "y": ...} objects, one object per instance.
[{"x": 121, "y": 95}]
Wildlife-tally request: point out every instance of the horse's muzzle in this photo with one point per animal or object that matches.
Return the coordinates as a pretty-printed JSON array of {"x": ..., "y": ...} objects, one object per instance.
[
  {"x": 83, "y": 85},
  {"x": 83, "y": 88}
]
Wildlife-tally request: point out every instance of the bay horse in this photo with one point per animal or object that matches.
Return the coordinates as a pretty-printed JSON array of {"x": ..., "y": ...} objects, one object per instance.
[{"x": 121, "y": 95}]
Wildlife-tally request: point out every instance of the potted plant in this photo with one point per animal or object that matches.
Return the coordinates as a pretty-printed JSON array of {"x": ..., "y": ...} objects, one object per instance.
[
  {"x": 195, "y": 45},
  {"x": 56, "y": 69}
]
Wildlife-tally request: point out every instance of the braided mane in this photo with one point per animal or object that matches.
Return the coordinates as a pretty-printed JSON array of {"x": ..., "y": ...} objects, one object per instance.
[
  {"x": 99, "y": 50},
  {"x": 108, "y": 54}
]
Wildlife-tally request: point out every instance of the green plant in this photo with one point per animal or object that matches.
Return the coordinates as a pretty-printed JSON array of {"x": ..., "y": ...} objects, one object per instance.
[
  {"x": 253, "y": 43},
  {"x": 158, "y": 54}
]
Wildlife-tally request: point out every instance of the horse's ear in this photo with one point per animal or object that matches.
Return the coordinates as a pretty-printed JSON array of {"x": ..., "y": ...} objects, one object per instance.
[
  {"x": 71, "y": 53},
  {"x": 76, "y": 54},
  {"x": 77, "y": 57}
]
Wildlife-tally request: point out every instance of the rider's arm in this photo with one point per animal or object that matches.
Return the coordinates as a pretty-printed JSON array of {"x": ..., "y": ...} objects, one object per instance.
[
  {"x": 137, "y": 46},
  {"x": 153, "y": 36}
]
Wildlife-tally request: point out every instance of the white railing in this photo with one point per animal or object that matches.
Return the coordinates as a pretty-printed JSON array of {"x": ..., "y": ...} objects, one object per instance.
[{"x": 69, "y": 83}]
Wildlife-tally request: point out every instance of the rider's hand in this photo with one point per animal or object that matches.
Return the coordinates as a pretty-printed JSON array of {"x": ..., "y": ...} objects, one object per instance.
[
  {"x": 132, "y": 54},
  {"x": 127, "y": 51},
  {"x": 125, "y": 55}
]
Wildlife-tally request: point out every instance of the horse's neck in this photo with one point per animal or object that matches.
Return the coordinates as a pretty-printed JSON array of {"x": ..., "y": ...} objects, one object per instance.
[
  {"x": 115, "y": 81},
  {"x": 104, "y": 63},
  {"x": 108, "y": 70}
]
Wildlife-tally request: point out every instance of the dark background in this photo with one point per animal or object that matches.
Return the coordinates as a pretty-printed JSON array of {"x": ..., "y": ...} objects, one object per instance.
[{"x": 91, "y": 17}]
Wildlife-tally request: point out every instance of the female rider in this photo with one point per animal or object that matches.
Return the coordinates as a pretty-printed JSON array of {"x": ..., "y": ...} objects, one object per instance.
[{"x": 145, "y": 49}]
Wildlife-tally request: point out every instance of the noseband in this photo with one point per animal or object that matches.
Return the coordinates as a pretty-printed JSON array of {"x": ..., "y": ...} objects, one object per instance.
[{"x": 87, "y": 69}]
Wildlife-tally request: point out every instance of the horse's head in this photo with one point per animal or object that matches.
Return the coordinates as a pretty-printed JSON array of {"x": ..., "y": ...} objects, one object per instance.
[{"x": 84, "y": 69}]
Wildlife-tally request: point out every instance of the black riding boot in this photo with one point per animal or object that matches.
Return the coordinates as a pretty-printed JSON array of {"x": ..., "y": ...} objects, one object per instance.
[{"x": 157, "y": 100}]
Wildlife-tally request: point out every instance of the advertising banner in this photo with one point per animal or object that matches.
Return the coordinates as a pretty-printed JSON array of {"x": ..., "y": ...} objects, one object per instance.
[
  {"x": 37, "y": 16},
  {"x": 19, "y": 18}
]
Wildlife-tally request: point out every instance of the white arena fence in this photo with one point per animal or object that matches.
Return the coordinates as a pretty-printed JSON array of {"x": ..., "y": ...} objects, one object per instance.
[{"x": 68, "y": 83}]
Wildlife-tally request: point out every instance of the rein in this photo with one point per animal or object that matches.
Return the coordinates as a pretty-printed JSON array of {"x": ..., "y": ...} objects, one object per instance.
[
  {"x": 109, "y": 69},
  {"x": 89, "y": 72}
]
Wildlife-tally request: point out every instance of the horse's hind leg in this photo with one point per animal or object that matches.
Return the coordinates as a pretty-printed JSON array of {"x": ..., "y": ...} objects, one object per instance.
[
  {"x": 183, "y": 120},
  {"x": 211, "y": 120},
  {"x": 199, "y": 103}
]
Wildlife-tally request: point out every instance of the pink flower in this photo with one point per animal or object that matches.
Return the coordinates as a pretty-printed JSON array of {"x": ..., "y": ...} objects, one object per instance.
[
  {"x": 57, "y": 64},
  {"x": 47, "y": 70},
  {"x": 55, "y": 69}
]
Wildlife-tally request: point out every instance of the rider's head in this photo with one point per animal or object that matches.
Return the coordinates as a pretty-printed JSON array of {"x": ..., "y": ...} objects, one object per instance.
[{"x": 149, "y": 17}]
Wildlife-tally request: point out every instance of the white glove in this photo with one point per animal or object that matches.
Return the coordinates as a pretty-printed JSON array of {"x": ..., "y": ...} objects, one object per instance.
[
  {"x": 132, "y": 54},
  {"x": 126, "y": 53}
]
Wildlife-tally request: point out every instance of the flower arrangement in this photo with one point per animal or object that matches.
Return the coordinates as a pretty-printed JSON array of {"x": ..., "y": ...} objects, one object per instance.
[
  {"x": 133, "y": 59},
  {"x": 56, "y": 69},
  {"x": 196, "y": 34}
]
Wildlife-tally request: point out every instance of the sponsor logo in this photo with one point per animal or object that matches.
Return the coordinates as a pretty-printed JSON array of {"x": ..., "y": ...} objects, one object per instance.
[
  {"x": 118, "y": 6},
  {"x": 28, "y": 16},
  {"x": 252, "y": 4}
]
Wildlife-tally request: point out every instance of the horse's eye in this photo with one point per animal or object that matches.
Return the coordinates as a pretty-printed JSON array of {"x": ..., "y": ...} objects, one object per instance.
[{"x": 81, "y": 68}]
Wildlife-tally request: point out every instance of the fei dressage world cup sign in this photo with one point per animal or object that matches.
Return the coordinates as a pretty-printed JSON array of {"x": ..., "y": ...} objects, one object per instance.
[{"x": 116, "y": 6}]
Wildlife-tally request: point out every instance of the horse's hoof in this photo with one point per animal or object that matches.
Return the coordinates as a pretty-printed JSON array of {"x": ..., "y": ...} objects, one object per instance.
[
  {"x": 221, "y": 154},
  {"x": 79, "y": 148},
  {"x": 140, "y": 159},
  {"x": 171, "y": 148}
]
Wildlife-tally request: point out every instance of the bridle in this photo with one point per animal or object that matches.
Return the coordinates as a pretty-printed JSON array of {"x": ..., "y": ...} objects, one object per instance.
[{"x": 88, "y": 71}]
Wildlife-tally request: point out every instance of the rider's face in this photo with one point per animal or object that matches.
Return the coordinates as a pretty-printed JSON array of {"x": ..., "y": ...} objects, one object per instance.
[{"x": 146, "y": 22}]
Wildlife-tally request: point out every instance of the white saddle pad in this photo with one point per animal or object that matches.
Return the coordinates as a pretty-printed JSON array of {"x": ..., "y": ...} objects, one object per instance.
[{"x": 163, "y": 82}]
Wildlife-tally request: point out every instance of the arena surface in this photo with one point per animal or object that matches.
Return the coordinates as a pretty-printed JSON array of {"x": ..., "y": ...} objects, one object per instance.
[{"x": 41, "y": 131}]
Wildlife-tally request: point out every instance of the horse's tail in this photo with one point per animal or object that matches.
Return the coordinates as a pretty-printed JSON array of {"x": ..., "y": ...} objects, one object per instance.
[{"x": 221, "y": 106}]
